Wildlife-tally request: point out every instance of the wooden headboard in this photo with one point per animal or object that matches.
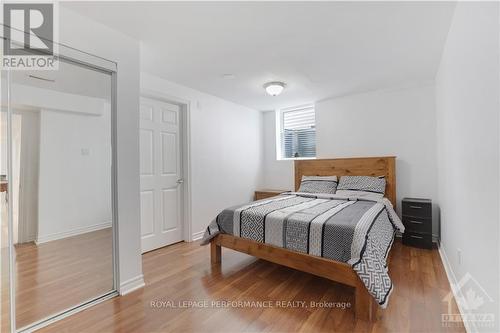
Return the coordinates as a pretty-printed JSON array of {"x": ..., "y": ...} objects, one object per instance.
[{"x": 358, "y": 166}]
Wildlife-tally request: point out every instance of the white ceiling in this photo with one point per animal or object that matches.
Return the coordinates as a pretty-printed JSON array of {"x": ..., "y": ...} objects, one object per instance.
[{"x": 321, "y": 49}]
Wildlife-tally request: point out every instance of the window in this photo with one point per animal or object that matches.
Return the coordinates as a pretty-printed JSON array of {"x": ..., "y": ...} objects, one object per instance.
[{"x": 296, "y": 132}]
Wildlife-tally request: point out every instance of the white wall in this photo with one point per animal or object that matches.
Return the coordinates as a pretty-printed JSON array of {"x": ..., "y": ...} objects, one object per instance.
[
  {"x": 278, "y": 174},
  {"x": 84, "y": 34},
  {"x": 74, "y": 193},
  {"x": 398, "y": 122},
  {"x": 225, "y": 150},
  {"x": 67, "y": 182},
  {"x": 467, "y": 104}
]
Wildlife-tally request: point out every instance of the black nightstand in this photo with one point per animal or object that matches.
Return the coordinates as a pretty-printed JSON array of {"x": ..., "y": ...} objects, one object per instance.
[{"x": 417, "y": 218}]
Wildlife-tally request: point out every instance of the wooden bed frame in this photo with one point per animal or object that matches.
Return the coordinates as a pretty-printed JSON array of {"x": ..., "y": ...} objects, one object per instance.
[{"x": 364, "y": 305}]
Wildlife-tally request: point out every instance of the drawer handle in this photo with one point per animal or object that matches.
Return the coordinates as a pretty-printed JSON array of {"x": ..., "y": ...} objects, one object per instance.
[
  {"x": 417, "y": 237},
  {"x": 416, "y": 222},
  {"x": 416, "y": 207}
]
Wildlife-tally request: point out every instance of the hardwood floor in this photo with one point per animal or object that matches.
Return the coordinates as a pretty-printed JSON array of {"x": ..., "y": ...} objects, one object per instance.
[
  {"x": 56, "y": 275},
  {"x": 183, "y": 273}
]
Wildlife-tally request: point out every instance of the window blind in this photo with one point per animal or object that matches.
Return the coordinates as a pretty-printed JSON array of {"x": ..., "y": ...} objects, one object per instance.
[{"x": 299, "y": 133}]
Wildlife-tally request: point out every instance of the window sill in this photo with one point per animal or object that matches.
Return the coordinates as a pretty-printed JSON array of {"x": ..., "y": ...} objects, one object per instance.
[{"x": 295, "y": 158}]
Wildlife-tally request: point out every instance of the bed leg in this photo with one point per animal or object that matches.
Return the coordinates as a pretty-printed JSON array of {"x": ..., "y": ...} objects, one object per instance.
[
  {"x": 364, "y": 305},
  {"x": 215, "y": 253}
]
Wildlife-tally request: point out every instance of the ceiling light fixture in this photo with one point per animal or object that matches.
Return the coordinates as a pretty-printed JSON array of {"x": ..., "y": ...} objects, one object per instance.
[{"x": 274, "y": 88}]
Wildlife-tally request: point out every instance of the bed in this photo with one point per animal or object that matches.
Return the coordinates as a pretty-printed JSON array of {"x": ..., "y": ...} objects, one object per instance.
[{"x": 344, "y": 238}]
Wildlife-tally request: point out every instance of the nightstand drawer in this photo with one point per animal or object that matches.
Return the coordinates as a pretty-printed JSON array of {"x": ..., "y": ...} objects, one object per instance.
[
  {"x": 417, "y": 224},
  {"x": 417, "y": 239},
  {"x": 417, "y": 209}
]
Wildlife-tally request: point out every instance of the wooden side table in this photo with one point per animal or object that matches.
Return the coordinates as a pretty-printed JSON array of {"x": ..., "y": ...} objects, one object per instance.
[{"x": 263, "y": 194}]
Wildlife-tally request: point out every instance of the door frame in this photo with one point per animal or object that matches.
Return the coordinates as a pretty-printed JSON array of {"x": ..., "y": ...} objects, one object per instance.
[
  {"x": 185, "y": 106},
  {"x": 28, "y": 227}
]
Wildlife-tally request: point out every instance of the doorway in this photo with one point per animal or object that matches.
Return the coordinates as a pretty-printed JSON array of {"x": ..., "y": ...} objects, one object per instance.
[
  {"x": 162, "y": 172},
  {"x": 25, "y": 163}
]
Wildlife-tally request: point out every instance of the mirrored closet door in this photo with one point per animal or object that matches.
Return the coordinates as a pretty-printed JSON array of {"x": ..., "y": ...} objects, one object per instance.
[
  {"x": 62, "y": 189},
  {"x": 5, "y": 262}
]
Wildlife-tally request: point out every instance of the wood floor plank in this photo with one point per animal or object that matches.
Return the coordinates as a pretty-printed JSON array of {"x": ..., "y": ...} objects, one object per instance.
[
  {"x": 53, "y": 276},
  {"x": 183, "y": 272}
]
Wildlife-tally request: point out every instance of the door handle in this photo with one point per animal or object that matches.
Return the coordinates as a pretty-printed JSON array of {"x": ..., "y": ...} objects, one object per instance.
[{"x": 180, "y": 181}]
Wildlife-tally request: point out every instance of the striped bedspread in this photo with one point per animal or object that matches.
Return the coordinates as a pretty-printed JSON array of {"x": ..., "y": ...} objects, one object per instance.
[{"x": 354, "y": 230}]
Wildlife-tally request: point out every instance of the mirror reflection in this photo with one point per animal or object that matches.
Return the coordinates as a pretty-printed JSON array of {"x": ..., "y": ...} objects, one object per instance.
[
  {"x": 4, "y": 225},
  {"x": 61, "y": 184}
]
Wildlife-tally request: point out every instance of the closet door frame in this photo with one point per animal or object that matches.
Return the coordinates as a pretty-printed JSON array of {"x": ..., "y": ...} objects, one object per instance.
[{"x": 91, "y": 62}]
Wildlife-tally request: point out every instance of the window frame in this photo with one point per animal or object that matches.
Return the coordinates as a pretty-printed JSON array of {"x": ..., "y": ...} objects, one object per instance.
[{"x": 279, "y": 132}]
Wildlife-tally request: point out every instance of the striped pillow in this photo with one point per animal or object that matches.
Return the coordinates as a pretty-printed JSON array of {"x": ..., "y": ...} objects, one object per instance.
[
  {"x": 318, "y": 184},
  {"x": 366, "y": 184}
]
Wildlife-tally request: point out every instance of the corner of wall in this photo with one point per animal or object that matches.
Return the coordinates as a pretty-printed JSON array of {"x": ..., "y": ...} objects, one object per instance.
[{"x": 130, "y": 285}]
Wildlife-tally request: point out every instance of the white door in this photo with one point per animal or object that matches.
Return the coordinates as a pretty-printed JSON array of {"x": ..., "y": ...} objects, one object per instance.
[{"x": 161, "y": 173}]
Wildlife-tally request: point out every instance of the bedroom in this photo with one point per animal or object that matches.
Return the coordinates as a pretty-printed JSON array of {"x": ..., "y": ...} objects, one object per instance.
[{"x": 404, "y": 90}]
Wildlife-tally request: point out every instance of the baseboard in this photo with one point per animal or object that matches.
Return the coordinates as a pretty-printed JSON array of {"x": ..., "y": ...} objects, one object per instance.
[
  {"x": 197, "y": 235},
  {"x": 435, "y": 239},
  {"x": 457, "y": 292},
  {"x": 31, "y": 238},
  {"x": 131, "y": 285},
  {"x": 72, "y": 232}
]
